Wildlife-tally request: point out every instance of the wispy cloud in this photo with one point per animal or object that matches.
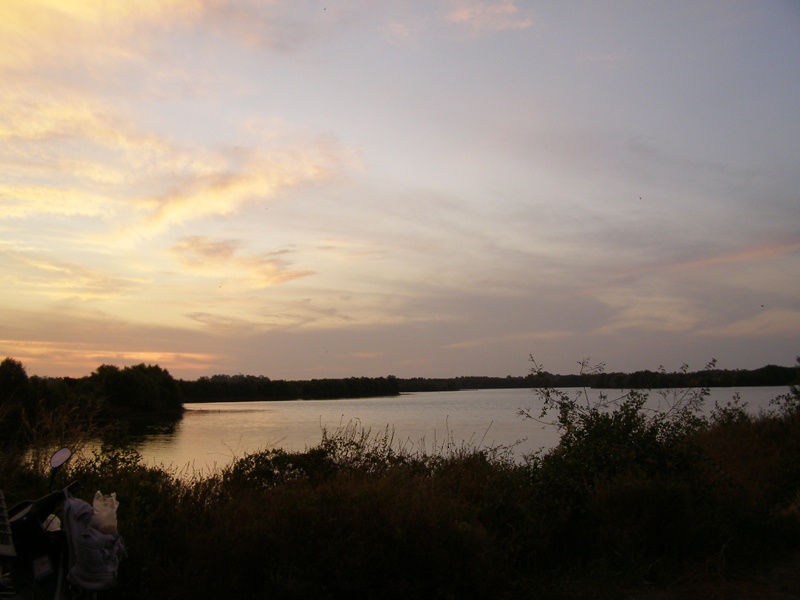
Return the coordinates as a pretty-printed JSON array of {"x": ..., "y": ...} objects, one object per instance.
[
  {"x": 410, "y": 30},
  {"x": 783, "y": 323},
  {"x": 72, "y": 157},
  {"x": 29, "y": 272},
  {"x": 485, "y": 17},
  {"x": 672, "y": 296},
  {"x": 225, "y": 324},
  {"x": 516, "y": 337},
  {"x": 273, "y": 24},
  {"x": 350, "y": 251},
  {"x": 43, "y": 32},
  {"x": 647, "y": 310},
  {"x": 47, "y": 137},
  {"x": 751, "y": 254},
  {"x": 20, "y": 200},
  {"x": 224, "y": 259},
  {"x": 43, "y": 356},
  {"x": 711, "y": 262},
  {"x": 250, "y": 174}
]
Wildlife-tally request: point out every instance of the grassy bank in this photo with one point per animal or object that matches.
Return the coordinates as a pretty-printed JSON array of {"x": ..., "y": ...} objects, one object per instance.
[{"x": 629, "y": 500}]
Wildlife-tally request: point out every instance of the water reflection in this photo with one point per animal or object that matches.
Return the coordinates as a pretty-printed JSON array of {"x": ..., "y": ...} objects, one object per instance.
[{"x": 211, "y": 435}]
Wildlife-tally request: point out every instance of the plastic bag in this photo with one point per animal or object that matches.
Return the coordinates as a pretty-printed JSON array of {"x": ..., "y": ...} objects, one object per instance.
[
  {"x": 93, "y": 556},
  {"x": 104, "y": 518}
]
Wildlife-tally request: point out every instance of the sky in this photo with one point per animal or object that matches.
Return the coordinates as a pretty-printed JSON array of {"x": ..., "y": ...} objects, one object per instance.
[{"x": 422, "y": 188}]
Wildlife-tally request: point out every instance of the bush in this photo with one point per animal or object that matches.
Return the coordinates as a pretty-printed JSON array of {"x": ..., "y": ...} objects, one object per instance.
[{"x": 628, "y": 487}]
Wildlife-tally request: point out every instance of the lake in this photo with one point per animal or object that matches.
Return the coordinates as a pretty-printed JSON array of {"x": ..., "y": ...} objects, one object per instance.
[{"x": 211, "y": 435}]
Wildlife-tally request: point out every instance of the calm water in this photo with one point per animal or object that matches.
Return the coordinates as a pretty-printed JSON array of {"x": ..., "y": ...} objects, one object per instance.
[{"x": 211, "y": 435}]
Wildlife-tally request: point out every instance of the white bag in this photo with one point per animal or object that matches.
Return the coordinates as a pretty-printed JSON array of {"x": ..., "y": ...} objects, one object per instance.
[
  {"x": 93, "y": 556},
  {"x": 104, "y": 518}
]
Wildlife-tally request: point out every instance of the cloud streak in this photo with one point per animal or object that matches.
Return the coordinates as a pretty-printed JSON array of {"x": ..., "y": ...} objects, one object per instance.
[
  {"x": 45, "y": 356},
  {"x": 223, "y": 260},
  {"x": 27, "y": 272},
  {"x": 783, "y": 323},
  {"x": 79, "y": 158},
  {"x": 131, "y": 31},
  {"x": 486, "y": 17},
  {"x": 258, "y": 176}
]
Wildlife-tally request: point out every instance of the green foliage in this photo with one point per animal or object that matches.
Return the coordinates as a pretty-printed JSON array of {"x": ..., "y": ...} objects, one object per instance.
[
  {"x": 732, "y": 412},
  {"x": 271, "y": 468},
  {"x": 250, "y": 387},
  {"x": 38, "y": 416},
  {"x": 13, "y": 380},
  {"x": 14, "y": 399},
  {"x": 628, "y": 484},
  {"x": 136, "y": 389},
  {"x": 788, "y": 405},
  {"x": 612, "y": 436},
  {"x": 39, "y": 411}
]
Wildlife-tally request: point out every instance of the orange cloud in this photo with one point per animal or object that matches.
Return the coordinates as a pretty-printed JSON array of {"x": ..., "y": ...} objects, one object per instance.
[
  {"x": 769, "y": 323},
  {"x": 65, "y": 152},
  {"x": 225, "y": 191},
  {"x": 746, "y": 255},
  {"x": 646, "y": 310},
  {"x": 484, "y": 17},
  {"x": 346, "y": 251},
  {"x": 46, "y": 276},
  {"x": 70, "y": 156},
  {"x": 24, "y": 200},
  {"x": 41, "y": 33},
  {"x": 530, "y": 335},
  {"x": 80, "y": 152},
  {"x": 223, "y": 259},
  {"x": 80, "y": 359},
  {"x": 396, "y": 31},
  {"x": 51, "y": 33},
  {"x": 752, "y": 254}
]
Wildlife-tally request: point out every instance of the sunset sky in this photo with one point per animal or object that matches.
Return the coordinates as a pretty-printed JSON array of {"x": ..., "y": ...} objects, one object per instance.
[{"x": 305, "y": 189}]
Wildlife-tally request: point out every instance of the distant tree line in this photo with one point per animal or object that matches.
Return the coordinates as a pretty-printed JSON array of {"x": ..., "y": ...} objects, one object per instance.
[
  {"x": 251, "y": 387},
  {"x": 219, "y": 388},
  {"x": 111, "y": 392},
  {"x": 424, "y": 384},
  {"x": 770, "y": 375}
]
